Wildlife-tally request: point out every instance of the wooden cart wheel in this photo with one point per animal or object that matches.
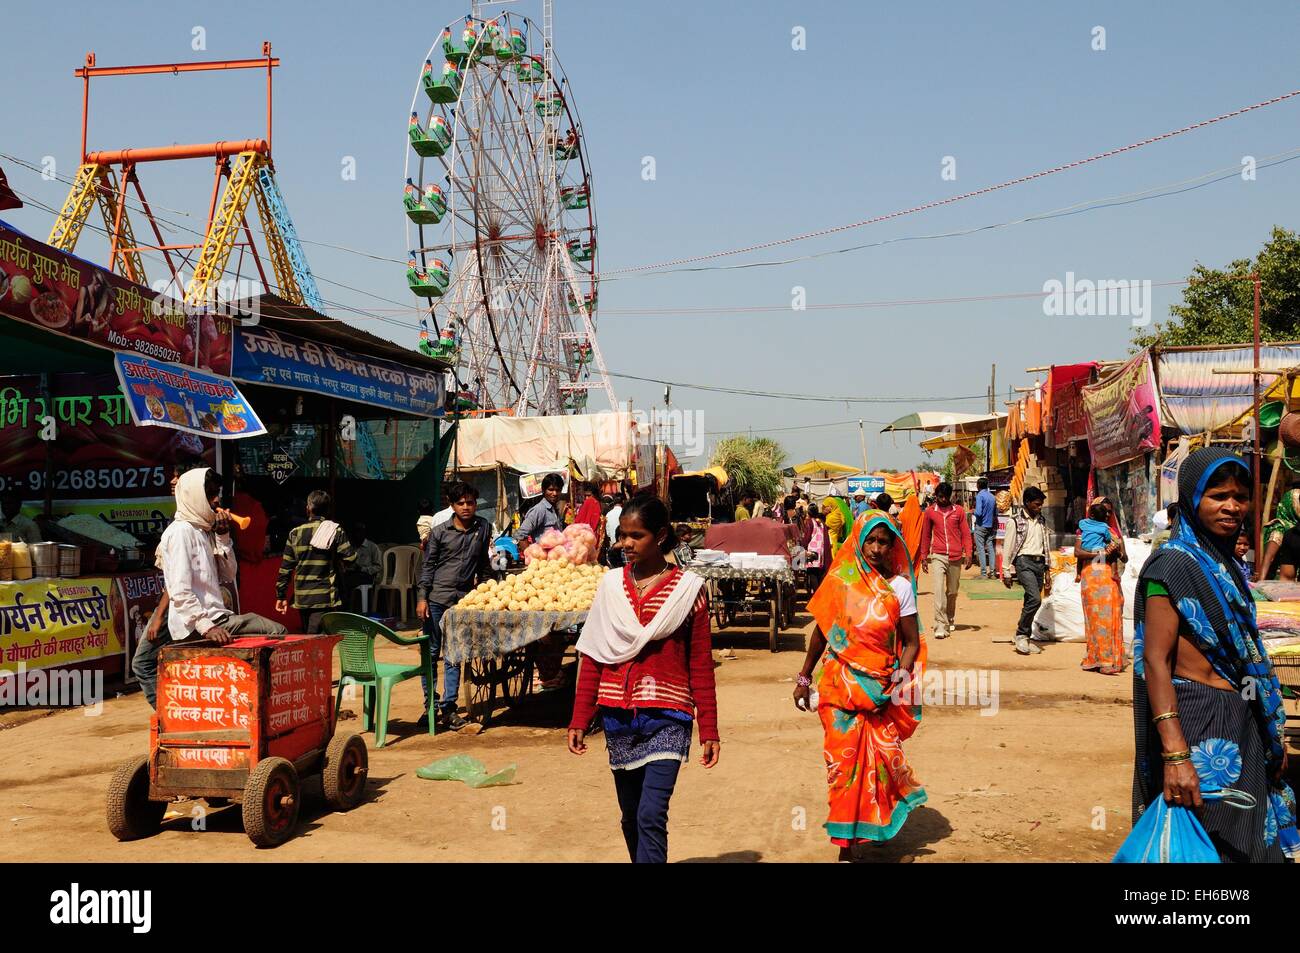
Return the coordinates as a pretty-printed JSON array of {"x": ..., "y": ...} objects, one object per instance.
[
  {"x": 516, "y": 675},
  {"x": 272, "y": 798},
  {"x": 774, "y": 621},
  {"x": 343, "y": 775},
  {"x": 481, "y": 673},
  {"x": 131, "y": 815}
]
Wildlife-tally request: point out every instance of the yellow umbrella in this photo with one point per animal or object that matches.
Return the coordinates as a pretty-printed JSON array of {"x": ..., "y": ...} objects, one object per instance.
[{"x": 824, "y": 467}]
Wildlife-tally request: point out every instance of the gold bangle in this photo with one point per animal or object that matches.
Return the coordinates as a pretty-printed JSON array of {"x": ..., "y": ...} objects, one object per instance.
[
  {"x": 1184, "y": 755},
  {"x": 1167, "y": 715},
  {"x": 1169, "y": 761}
]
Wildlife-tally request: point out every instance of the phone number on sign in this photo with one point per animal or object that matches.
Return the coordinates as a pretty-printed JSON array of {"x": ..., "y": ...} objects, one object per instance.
[{"x": 101, "y": 478}]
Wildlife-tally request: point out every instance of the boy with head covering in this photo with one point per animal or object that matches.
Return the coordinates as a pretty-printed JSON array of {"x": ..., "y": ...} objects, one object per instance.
[{"x": 196, "y": 556}]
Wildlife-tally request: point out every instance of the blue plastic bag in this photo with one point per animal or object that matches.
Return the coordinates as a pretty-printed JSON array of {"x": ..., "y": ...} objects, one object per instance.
[{"x": 1167, "y": 835}]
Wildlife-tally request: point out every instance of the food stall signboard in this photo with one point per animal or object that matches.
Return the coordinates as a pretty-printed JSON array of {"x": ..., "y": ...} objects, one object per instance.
[
  {"x": 280, "y": 465},
  {"x": 269, "y": 357},
  {"x": 164, "y": 395},
  {"x": 51, "y": 289},
  {"x": 50, "y": 622}
]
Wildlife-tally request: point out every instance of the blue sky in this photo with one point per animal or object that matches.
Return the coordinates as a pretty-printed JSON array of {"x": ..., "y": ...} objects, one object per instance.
[{"x": 753, "y": 141}]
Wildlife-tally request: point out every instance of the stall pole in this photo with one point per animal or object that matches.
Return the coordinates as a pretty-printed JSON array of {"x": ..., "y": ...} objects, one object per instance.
[
  {"x": 331, "y": 435},
  {"x": 47, "y": 401},
  {"x": 437, "y": 462},
  {"x": 1259, "y": 460}
]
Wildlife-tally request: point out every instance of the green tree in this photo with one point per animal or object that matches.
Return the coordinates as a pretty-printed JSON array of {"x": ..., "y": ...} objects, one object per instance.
[
  {"x": 752, "y": 463},
  {"x": 1218, "y": 304}
]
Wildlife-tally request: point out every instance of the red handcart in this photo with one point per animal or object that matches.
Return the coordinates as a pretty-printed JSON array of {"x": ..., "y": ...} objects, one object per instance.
[{"x": 242, "y": 722}]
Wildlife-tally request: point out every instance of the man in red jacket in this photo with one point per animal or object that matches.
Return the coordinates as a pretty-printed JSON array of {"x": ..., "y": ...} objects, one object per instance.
[{"x": 945, "y": 544}]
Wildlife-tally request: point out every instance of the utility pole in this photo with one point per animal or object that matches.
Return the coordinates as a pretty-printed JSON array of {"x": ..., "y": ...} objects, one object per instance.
[
  {"x": 862, "y": 435},
  {"x": 988, "y": 441}
]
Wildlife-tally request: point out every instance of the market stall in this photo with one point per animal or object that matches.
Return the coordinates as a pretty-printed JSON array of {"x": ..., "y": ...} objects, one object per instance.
[
  {"x": 130, "y": 383},
  {"x": 108, "y": 385},
  {"x": 747, "y": 567},
  {"x": 510, "y": 625}
]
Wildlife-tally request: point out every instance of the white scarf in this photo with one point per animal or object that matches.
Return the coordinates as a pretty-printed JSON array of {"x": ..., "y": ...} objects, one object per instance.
[
  {"x": 323, "y": 538},
  {"x": 613, "y": 634},
  {"x": 192, "y": 504}
]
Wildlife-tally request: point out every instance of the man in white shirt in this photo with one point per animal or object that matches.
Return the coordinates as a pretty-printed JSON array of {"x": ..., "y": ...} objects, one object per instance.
[
  {"x": 613, "y": 557},
  {"x": 196, "y": 556}
]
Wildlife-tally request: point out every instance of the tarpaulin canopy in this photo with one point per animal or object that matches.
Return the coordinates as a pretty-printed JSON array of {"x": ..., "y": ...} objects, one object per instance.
[
  {"x": 718, "y": 473},
  {"x": 825, "y": 467},
  {"x": 941, "y": 421},
  {"x": 604, "y": 439},
  {"x": 1196, "y": 400},
  {"x": 766, "y": 537}
]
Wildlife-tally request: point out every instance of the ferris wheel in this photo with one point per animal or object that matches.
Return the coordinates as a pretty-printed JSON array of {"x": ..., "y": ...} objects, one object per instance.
[{"x": 500, "y": 221}]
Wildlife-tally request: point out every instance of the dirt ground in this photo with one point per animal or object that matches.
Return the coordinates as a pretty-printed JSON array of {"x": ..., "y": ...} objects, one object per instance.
[{"x": 1045, "y": 778}]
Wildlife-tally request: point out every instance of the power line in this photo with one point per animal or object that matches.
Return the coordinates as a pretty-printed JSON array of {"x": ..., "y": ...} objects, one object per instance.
[
  {"x": 937, "y": 203},
  {"x": 744, "y": 392},
  {"x": 1156, "y": 192}
]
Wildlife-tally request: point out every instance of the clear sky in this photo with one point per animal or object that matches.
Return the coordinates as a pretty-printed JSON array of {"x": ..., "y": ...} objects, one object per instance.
[{"x": 753, "y": 141}]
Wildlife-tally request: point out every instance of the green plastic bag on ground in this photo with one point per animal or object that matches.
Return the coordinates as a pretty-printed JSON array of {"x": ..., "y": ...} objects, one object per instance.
[{"x": 461, "y": 767}]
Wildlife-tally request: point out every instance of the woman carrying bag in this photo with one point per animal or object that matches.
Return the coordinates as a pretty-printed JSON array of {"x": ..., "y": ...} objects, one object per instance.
[{"x": 1207, "y": 706}]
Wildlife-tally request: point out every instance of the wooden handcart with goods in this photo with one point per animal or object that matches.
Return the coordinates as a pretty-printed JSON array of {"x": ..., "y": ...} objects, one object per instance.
[
  {"x": 508, "y": 628},
  {"x": 499, "y": 652},
  {"x": 747, "y": 567},
  {"x": 243, "y": 722}
]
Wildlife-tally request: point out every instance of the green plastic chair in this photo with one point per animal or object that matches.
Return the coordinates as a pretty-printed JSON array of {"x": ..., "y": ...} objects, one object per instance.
[{"x": 357, "y": 660}]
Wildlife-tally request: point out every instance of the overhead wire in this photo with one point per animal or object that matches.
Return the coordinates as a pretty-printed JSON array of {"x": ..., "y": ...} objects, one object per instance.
[{"x": 938, "y": 203}]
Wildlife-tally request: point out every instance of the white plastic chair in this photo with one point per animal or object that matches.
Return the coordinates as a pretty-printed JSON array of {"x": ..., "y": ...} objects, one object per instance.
[{"x": 400, "y": 571}]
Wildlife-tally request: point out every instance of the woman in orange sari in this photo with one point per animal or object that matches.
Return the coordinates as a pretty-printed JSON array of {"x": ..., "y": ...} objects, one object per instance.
[
  {"x": 1098, "y": 548},
  {"x": 869, "y": 689}
]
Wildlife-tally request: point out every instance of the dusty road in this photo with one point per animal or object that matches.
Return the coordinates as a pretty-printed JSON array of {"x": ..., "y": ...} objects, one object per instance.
[{"x": 1046, "y": 777}]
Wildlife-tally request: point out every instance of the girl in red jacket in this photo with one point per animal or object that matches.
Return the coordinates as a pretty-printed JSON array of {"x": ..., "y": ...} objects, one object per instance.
[{"x": 646, "y": 670}]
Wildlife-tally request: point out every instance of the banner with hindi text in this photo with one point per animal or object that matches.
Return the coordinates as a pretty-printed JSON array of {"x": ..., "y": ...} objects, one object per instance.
[
  {"x": 270, "y": 357},
  {"x": 50, "y": 622},
  {"x": 59, "y": 292},
  {"x": 1122, "y": 413},
  {"x": 164, "y": 395}
]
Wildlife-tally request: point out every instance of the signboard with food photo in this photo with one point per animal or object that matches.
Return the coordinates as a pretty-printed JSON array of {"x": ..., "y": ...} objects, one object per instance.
[
  {"x": 162, "y": 395},
  {"x": 41, "y": 285}
]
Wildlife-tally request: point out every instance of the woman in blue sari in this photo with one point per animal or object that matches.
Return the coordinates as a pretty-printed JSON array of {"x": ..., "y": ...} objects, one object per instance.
[{"x": 1207, "y": 706}]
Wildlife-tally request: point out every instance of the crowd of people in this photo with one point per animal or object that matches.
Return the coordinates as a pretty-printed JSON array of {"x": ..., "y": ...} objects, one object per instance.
[{"x": 646, "y": 678}]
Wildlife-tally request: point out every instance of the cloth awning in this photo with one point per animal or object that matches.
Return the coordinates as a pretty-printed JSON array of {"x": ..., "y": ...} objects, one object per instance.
[
  {"x": 944, "y": 421},
  {"x": 603, "y": 441},
  {"x": 826, "y": 467},
  {"x": 1194, "y": 399},
  {"x": 718, "y": 473}
]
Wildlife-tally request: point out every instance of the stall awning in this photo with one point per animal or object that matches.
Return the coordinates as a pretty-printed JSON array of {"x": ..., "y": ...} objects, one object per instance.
[
  {"x": 944, "y": 421},
  {"x": 1194, "y": 399},
  {"x": 601, "y": 440},
  {"x": 826, "y": 467},
  {"x": 718, "y": 473}
]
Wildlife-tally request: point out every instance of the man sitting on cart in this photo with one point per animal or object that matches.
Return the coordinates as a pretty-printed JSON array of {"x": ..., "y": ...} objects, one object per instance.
[{"x": 196, "y": 556}]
